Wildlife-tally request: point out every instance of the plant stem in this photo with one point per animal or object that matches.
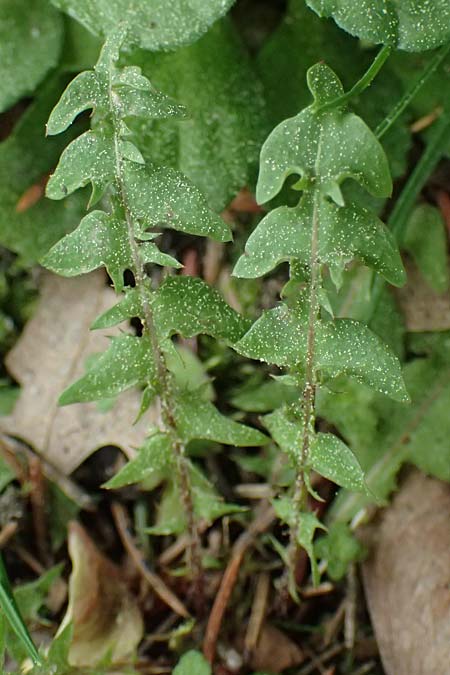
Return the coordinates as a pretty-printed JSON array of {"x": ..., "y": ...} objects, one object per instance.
[
  {"x": 300, "y": 498},
  {"x": 362, "y": 84},
  {"x": 437, "y": 144},
  {"x": 408, "y": 96},
  {"x": 163, "y": 383}
]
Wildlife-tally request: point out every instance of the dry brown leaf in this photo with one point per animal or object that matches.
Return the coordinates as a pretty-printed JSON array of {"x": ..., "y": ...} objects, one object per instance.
[
  {"x": 105, "y": 617},
  {"x": 407, "y": 579},
  {"x": 49, "y": 356},
  {"x": 275, "y": 652},
  {"x": 423, "y": 308}
]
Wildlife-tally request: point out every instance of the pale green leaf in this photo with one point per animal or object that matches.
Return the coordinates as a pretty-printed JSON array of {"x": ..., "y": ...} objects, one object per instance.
[
  {"x": 133, "y": 96},
  {"x": 193, "y": 663},
  {"x": 208, "y": 505},
  {"x": 200, "y": 419},
  {"x": 151, "y": 465},
  {"x": 127, "y": 362},
  {"x": 414, "y": 25},
  {"x": 339, "y": 548},
  {"x": 109, "y": 245},
  {"x": 82, "y": 93},
  {"x": 323, "y": 148},
  {"x": 425, "y": 239},
  {"x": 153, "y": 24},
  {"x": 308, "y": 525},
  {"x": 26, "y": 157},
  {"x": 328, "y": 455},
  {"x": 188, "y": 306},
  {"x": 161, "y": 197},
  {"x": 88, "y": 159},
  {"x": 182, "y": 305},
  {"x": 346, "y": 232},
  {"x": 217, "y": 148},
  {"x": 343, "y": 346},
  {"x": 31, "y": 34}
]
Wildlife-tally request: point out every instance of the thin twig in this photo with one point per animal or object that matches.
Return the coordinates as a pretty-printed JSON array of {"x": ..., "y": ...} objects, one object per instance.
[
  {"x": 350, "y": 608},
  {"x": 257, "y": 614},
  {"x": 38, "y": 507},
  {"x": 321, "y": 659},
  {"x": 154, "y": 581},
  {"x": 7, "y": 531},
  {"x": 261, "y": 523}
]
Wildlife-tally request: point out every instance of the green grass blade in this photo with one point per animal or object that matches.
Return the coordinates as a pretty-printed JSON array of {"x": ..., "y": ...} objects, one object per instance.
[{"x": 12, "y": 613}]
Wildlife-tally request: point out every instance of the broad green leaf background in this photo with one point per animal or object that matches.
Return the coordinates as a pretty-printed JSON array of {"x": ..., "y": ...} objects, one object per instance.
[
  {"x": 413, "y": 25},
  {"x": 217, "y": 146},
  {"x": 153, "y": 24},
  {"x": 31, "y": 34}
]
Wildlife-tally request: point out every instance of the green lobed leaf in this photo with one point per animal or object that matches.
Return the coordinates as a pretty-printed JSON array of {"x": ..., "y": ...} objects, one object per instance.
[
  {"x": 127, "y": 362},
  {"x": 133, "y": 96},
  {"x": 208, "y": 505},
  {"x": 109, "y": 245},
  {"x": 182, "y": 305},
  {"x": 192, "y": 663},
  {"x": 323, "y": 148},
  {"x": 328, "y": 455},
  {"x": 200, "y": 419},
  {"x": 26, "y": 158},
  {"x": 343, "y": 346},
  {"x": 88, "y": 159},
  {"x": 425, "y": 239},
  {"x": 217, "y": 148},
  {"x": 151, "y": 465},
  {"x": 154, "y": 24},
  {"x": 286, "y": 56},
  {"x": 345, "y": 232},
  {"x": 161, "y": 197},
  {"x": 413, "y": 25},
  {"x": 355, "y": 300},
  {"x": 31, "y": 34}
]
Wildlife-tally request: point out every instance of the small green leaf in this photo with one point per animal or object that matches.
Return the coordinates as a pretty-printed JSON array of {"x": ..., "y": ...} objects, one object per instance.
[
  {"x": 30, "y": 42},
  {"x": 414, "y": 25},
  {"x": 339, "y": 547},
  {"x": 328, "y": 455},
  {"x": 109, "y": 245},
  {"x": 82, "y": 93},
  {"x": 88, "y": 159},
  {"x": 182, "y": 305},
  {"x": 26, "y": 156},
  {"x": 425, "y": 240},
  {"x": 127, "y": 362},
  {"x": 309, "y": 523},
  {"x": 208, "y": 505},
  {"x": 193, "y": 663},
  {"x": 200, "y": 419},
  {"x": 188, "y": 306},
  {"x": 151, "y": 464},
  {"x": 154, "y": 24}
]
